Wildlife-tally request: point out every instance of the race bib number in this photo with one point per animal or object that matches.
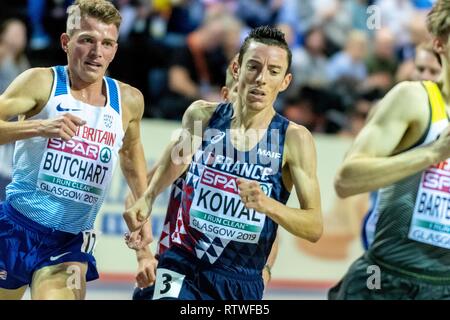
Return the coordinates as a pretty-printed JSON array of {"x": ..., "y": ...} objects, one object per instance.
[
  {"x": 75, "y": 170},
  {"x": 168, "y": 284},
  {"x": 217, "y": 210},
  {"x": 89, "y": 241},
  {"x": 431, "y": 218}
]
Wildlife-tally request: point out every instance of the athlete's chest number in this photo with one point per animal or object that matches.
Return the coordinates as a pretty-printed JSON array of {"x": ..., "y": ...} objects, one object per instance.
[{"x": 168, "y": 284}]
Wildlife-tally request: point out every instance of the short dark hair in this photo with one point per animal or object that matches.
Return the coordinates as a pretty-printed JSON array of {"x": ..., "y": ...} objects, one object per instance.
[{"x": 269, "y": 36}]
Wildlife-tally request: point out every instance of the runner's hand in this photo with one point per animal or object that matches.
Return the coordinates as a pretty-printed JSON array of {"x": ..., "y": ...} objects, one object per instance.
[
  {"x": 137, "y": 215},
  {"x": 146, "y": 274},
  {"x": 140, "y": 238},
  {"x": 64, "y": 127},
  {"x": 252, "y": 196}
]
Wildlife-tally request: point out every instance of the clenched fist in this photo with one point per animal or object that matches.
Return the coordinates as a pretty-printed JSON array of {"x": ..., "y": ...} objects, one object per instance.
[{"x": 64, "y": 127}]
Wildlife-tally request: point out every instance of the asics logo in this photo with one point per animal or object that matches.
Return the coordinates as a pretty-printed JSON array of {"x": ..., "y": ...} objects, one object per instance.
[
  {"x": 62, "y": 109},
  {"x": 53, "y": 258},
  {"x": 218, "y": 137}
]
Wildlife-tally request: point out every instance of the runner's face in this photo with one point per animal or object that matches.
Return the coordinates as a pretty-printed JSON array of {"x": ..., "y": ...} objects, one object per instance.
[
  {"x": 91, "y": 49},
  {"x": 262, "y": 75}
]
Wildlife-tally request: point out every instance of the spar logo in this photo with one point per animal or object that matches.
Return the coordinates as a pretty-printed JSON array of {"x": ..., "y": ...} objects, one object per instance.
[
  {"x": 437, "y": 181},
  {"x": 220, "y": 181},
  {"x": 75, "y": 147},
  {"x": 226, "y": 182},
  {"x": 105, "y": 155}
]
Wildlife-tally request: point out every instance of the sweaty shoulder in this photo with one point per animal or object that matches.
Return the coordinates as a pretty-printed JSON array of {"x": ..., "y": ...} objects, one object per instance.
[
  {"x": 40, "y": 74},
  {"x": 35, "y": 81},
  {"x": 409, "y": 89},
  {"x": 33, "y": 86},
  {"x": 407, "y": 100},
  {"x": 199, "y": 110},
  {"x": 296, "y": 131},
  {"x": 299, "y": 141},
  {"x": 132, "y": 100}
]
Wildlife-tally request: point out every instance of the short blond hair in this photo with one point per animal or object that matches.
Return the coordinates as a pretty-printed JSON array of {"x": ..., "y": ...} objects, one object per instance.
[
  {"x": 102, "y": 10},
  {"x": 438, "y": 19}
]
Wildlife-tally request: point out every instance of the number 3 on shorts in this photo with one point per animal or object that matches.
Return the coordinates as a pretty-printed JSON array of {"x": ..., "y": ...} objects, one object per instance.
[{"x": 168, "y": 284}]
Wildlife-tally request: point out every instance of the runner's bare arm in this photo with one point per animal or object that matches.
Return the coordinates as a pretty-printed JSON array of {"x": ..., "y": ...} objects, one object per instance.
[
  {"x": 273, "y": 252},
  {"x": 301, "y": 159},
  {"x": 305, "y": 222},
  {"x": 147, "y": 263},
  {"x": 27, "y": 95},
  {"x": 267, "y": 271},
  {"x": 130, "y": 199},
  {"x": 132, "y": 158},
  {"x": 133, "y": 164},
  {"x": 168, "y": 170},
  {"x": 177, "y": 156},
  {"x": 372, "y": 162}
]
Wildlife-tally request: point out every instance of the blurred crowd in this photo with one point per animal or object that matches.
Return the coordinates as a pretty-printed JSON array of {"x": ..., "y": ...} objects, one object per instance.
[{"x": 346, "y": 53}]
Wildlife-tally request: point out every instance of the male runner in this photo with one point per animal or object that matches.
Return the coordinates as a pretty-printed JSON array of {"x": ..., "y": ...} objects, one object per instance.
[
  {"x": 245, "y": 160},
  {"x": 78, "y": 123},
  {"x": 404, "y": 150}
]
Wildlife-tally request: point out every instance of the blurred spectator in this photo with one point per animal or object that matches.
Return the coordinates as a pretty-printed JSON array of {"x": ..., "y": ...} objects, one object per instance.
[
  {"x": 357, "y": 115},
  {"x": 311, "y": 108},
  {"x": 299, "y": 108},
  {"x": 396, "y": 15},
  {"x": 198, "y": 69},
  {"x": 382, "y": 62},
  {"x": 233, "y": 36},
  {"x": 128, "y": 12},
  {"x": 336, "y": 19},
  {"x": 309, "y": 64},
  {"x": 423, "y": 4},
  {"x": 39, "y": 37},
  {"x": 185, "y": 16},
  {"x": 425, "y": 66},
  {"x": 359, "y": 15},
  {"x": 13, "y": 41},
  {"x": 418, "y": 33},
  {"x": 299, "y": 15},
  {"x": 256, "y": 13},
  {"x": 12, "y": 62},
  {"x": 349, "y": 63},
  {"x": 229, "y": 6}
]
